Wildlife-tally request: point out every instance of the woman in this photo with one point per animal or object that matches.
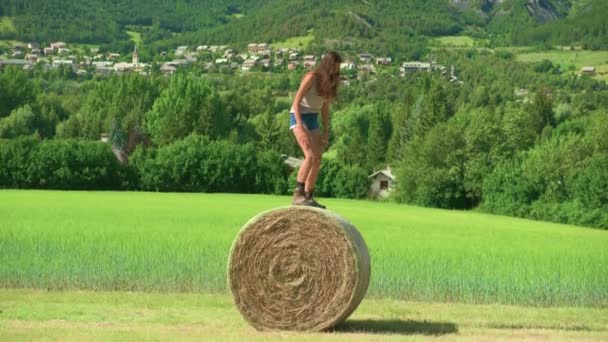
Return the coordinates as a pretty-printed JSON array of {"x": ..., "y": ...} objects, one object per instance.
[{"x": 317, "y": 90}]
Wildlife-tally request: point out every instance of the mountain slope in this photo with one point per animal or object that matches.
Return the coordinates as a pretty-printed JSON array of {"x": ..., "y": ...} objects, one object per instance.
[
  {"x": 585, "y": 25},
  {"x": 385, "y": 25}
]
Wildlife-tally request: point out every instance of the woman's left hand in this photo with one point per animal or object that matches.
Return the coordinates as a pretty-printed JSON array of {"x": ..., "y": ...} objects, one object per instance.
[{"x": 325, "y": 141}]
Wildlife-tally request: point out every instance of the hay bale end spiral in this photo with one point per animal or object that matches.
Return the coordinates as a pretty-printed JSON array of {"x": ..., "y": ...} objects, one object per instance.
[{"x": 298, "y": 268}]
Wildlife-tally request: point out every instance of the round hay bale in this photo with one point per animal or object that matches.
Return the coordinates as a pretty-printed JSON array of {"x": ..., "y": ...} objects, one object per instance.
[{"x": 298, "y": 268}]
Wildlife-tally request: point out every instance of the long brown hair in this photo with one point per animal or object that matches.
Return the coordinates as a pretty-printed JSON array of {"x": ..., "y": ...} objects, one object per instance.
[{"x": 327, "y": 79}]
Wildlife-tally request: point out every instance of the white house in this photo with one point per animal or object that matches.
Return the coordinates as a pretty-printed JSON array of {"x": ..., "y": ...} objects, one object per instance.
[
  {"x": 384, "y": 61},
  {"x": 588, "y": 70},
  {"x": 347, "y": 66},
  {"x": 58, "y": 45},
  {"x": 248, "y": 64},
  {"x": 101, "y": 64},
  {"x": 309, "y": 61},
  {"x": 122, "y": 66},
  {"x": 181, "y": 50},
  {"x": 31, "y": 57},
  {"x": 257, "y": 48},
  {"x": 167, "y": 69},
  {"x": 58, "y": 62},
  {"x": 229, "y": 53},
  {"x": 293, "y": 65},
  {"x": 365, "y": 57},
  {"x": 411, "y": 67},
  {"x": 383, "y": 182}
]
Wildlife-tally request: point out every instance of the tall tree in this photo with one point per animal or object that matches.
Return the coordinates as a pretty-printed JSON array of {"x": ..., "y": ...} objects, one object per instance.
[
  {"x": 186, "y": 106},
  {"x": 268, "y": 133},
  {"x": 16, "y": 89}
]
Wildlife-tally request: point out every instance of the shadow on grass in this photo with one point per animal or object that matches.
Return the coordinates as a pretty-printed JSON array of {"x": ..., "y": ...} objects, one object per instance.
[{"x": 396, "y": 327}]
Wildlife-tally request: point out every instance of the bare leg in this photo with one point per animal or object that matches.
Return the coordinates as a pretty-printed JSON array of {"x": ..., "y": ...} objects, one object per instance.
[
  {"x": 301, "y": 137},
  {"x": 316, "y": 145}
]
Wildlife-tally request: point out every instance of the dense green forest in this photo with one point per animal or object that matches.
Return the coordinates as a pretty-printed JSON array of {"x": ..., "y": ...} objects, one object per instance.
[
  {"x": 475, "y": 144},
  {"x": 388, "y": 27},
  {"x": 513, "y": 138}
]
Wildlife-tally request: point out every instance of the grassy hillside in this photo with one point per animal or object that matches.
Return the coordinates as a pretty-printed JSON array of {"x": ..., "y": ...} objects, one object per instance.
[
  {"x": 180, "y": 242},
  {"x": 384, "y": 26},
  {"x": 571, "y": 60},
  {"x": 300, "y": 42}
]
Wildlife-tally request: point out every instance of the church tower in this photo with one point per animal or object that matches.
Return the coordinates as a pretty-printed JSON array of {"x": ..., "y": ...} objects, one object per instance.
[{"x": 135, "y": 57}]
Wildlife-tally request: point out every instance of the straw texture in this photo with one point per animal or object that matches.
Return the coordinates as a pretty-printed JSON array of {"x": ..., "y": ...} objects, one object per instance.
[{"x": 298, "y": 268}]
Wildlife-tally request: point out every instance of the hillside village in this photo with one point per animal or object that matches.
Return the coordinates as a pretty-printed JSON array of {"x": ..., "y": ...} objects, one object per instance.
[
  {"x": 210, "y": 59},
  {"x": 258, "y": 57}
]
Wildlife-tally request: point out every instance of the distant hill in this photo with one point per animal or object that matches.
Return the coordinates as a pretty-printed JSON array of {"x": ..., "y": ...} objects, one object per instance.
[
  {"x": 539, "y": 10},
  {"x": 383, "y": 25}
]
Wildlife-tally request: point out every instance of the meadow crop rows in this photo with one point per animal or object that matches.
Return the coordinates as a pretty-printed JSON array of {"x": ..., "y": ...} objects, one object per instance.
[{"x": 180, "y": 243}]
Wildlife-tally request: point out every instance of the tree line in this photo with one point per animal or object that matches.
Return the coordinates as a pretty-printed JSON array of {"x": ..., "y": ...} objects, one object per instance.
[{"x": 511, "y": 139}]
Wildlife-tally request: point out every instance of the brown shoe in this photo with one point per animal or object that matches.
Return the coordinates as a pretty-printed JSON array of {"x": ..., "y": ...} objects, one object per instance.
[
  {"x": 312, "y": 201},
  {"x": 299, "y": 197}
]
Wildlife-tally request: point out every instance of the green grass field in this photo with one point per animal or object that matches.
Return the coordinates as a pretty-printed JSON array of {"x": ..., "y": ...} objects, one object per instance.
[
  {"x": 456, "y": 41},
  {"x": 128, "y": 316},
  {"x": 180, "y": 242},
  {"x": 300, "y": 42},
  {"x": 576, "y": 58}
]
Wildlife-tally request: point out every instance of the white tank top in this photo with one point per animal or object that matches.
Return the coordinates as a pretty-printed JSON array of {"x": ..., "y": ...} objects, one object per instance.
[{"x": 311, "y": 102}]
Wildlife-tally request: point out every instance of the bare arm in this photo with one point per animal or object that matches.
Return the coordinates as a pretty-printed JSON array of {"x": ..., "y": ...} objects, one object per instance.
[{"x": 325, "y": 115}]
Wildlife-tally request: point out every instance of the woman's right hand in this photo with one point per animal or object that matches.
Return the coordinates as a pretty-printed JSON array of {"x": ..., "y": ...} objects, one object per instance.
[{"x": 302, "y": 135}]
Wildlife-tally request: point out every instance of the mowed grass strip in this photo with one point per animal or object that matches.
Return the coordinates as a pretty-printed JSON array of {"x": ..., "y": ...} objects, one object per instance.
[
  {"x": 567, "y": 59},
  {"x": 180, "y": 243},
  {"x": 91, "y": 316}
]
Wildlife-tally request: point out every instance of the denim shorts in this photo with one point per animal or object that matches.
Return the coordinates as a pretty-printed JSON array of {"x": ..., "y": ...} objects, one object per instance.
[{"x": 310, "y": 120}]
